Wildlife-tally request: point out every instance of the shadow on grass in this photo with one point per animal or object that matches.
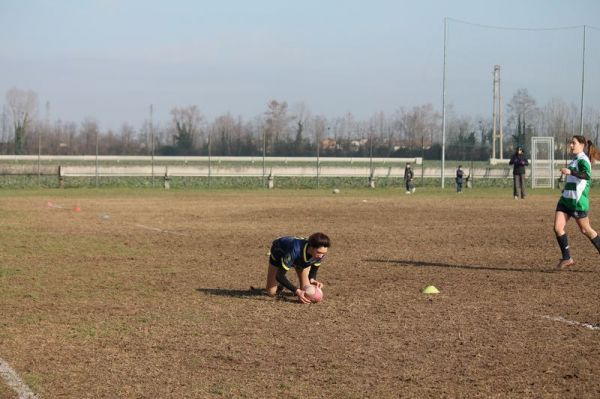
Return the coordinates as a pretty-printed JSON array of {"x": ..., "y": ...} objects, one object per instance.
[
  {"x": 473, "y": 267},
  {"x": 252, "y": 293}
]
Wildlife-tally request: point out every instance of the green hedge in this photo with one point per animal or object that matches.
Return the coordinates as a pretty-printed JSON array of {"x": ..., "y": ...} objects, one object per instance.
[{"x": 18, "y": 181}]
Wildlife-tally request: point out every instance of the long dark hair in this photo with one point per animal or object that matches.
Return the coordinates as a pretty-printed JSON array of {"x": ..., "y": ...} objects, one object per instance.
[{"x": 592, "y": 151}]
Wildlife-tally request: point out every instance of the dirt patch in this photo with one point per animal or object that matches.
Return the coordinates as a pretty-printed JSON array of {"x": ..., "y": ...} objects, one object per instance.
[{"x": 95, "y": 306}]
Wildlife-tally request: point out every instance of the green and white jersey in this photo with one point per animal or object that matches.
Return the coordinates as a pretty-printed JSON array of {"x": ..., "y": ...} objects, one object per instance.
[{"x": 576, "y": 192}]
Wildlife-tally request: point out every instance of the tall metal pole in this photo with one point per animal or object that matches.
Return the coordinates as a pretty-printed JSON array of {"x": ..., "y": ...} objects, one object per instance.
[
  {"x": 40, "y": 158},
  {"x": 318, "y": 156},
  {"x": 264, "y": 153},
  {"x": 96, "y": 157},
  {"x": 582, "y": 85},
  {"x": 422, "y": 158},
  {"x": 444, "y": 104},
  {"x": 497, "y": 133},
  {"x": 209, "y": 157},
  {"x": 494, "y": 117},
  {"x": 152, "y": 142},
  {"x": 500, "y": 115},
  {"x": 371, "y": 153},
  {"x": 46, "y": 128}
]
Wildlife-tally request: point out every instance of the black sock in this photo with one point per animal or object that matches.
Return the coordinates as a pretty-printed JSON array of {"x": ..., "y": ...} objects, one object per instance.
[
  {"x": 563, "y": 243},
  {"x": 596, "y": 242}
]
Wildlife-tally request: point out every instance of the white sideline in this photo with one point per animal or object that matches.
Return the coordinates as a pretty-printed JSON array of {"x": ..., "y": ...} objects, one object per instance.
[
  {"x": 161, "y": 230},
  {"x": 572, "y": 322},
  {"x": 12, "y": 380}
]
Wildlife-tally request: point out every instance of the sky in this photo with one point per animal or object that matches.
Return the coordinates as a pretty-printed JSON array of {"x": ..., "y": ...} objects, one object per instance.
[{"x": 109, "y": 60}]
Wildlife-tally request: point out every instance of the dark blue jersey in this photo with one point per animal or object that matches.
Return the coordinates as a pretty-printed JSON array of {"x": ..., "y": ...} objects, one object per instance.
[{"x": 289, "y": 251}]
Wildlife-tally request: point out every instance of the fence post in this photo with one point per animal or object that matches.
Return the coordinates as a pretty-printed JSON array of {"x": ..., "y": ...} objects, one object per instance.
[
  {"x": 61, "y": 178},
  {"x": 271, "y": 181},
  {"x": 371, "y": 181}
]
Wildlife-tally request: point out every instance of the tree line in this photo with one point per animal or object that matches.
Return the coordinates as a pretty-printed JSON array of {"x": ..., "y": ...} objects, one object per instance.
[{"x": 294, "y": 131}]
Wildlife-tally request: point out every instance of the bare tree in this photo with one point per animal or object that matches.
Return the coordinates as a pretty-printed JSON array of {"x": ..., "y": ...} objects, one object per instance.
[
  {"x": 5, "y": 128},
  {"x": 89, "y": 132},
  {"x": 319, "y": 123},
  {"x": 302, "y": 117},
  {"x": 276, "y": 124},
  {"x": 187, "y": 124},
  {"x": 127, "y": 139},
  {"x": 591, "y": 124},
  {"x": 522, "y": 116},
  {"x": 225, "y": 127},
  {"x": 418, "y": 124},
  {"x": 23, "y": 106},
  {"x": 559, "y": 121}
]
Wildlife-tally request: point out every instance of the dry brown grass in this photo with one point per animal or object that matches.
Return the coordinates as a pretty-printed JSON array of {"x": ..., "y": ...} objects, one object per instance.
[
  {"x": 97, "y": 304},
  {"x": 6, "y": 392}
]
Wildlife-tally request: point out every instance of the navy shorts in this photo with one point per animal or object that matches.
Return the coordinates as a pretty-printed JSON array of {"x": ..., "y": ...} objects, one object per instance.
[{"x": 574, "y": 214}]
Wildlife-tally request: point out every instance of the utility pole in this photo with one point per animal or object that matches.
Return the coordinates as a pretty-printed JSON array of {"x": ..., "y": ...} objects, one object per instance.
[
  {"x": 582, "y": 85},
  {"x": 444, "y": 104},
  {"x": 497, "y": 133},
  {"x": 152, "y": 142},
  {"x": 97, "y": 139}
]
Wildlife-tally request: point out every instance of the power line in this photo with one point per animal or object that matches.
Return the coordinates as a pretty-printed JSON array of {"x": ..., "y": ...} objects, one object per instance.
[{"x": 520, "y": 28}]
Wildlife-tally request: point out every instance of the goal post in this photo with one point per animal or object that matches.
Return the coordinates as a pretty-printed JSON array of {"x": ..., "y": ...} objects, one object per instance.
[{"x": 542, "y": 162}]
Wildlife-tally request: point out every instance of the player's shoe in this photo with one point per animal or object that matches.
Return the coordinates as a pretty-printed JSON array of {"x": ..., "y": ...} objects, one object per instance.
[
  {"x": 413, "y": 190},
  {"x": 565, "y": 264}
]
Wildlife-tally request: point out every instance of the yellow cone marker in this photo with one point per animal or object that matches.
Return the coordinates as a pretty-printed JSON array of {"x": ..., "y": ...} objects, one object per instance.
[{"x": 430, "y": 289}]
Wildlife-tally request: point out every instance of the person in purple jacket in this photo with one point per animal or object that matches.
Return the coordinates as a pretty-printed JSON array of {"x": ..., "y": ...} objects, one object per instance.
[{"x": 519, "y": 161}]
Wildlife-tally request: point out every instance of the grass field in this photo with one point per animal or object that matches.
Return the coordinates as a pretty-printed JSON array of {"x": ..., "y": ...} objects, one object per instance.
[{"x": 145, "y": 294}]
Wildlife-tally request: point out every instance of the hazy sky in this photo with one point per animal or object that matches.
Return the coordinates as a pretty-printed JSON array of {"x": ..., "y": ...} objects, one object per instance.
[{"x": 111, "y": 59}]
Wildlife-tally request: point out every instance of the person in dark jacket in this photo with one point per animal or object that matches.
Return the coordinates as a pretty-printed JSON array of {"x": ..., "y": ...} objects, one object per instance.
[
  {"x": 519, "y": 162},
  {"x": 408, "y": 179},
  {"x": 459, "y": 179}
]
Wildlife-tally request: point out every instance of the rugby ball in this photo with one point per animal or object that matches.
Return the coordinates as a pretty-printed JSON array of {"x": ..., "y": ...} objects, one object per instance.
[{"x": 314, "y": 293}]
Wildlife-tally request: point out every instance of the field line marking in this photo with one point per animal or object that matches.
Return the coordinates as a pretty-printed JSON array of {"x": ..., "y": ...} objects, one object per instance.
[
  {"x": 573, "y": 322},
  {"x": 161, "y": 230},
  {"x": 12, "y": 380}
]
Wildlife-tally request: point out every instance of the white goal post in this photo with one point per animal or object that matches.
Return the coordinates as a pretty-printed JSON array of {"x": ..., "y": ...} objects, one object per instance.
[{"x": 542, "y": 162}]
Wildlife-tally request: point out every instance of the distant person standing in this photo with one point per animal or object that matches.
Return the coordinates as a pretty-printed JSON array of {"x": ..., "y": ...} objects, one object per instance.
[
  {"x": 519, "y": 161},
  {"x": 408, "y": 179},
  {"x": 459, "y": 179}
]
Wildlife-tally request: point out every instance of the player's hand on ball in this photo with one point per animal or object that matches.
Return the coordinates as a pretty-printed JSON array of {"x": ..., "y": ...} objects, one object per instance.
[
  {"x": 317, "y": 283},
  {"x": 301, "y": 296}
]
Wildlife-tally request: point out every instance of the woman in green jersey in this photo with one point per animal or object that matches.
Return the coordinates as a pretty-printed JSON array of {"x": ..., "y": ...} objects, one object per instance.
[{"x": 574, "y": 201}]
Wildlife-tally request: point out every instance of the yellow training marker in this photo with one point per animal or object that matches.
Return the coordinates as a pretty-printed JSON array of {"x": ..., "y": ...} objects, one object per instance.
[{"x": 430, "y": 289}]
